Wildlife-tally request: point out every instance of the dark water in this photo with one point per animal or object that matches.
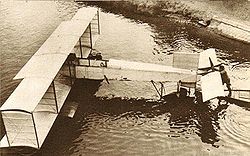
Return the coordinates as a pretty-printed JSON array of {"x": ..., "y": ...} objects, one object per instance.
[{"x": 120, "y": 118}]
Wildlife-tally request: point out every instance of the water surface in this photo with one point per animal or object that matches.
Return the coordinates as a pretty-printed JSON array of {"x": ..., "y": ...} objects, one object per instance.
[{"x": 120, "y": 118}]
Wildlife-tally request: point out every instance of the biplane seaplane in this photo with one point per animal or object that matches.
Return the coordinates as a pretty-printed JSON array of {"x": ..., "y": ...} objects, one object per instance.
[{"x": 46, "y": 79}]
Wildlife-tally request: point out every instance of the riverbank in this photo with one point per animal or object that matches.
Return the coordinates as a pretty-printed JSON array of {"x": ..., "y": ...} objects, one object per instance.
[{"x": 228, "y": 18}]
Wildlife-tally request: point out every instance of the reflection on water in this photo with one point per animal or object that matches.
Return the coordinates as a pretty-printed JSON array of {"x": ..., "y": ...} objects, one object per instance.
[
  {"x": 138, "y": 127},
  {"x": 129, "y": 123}
]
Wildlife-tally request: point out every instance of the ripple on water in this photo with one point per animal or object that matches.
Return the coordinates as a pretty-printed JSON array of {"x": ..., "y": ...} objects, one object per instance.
[
  {"x": 235, "y": 128},
  {"x": 125, "y": 127},
  {"x": 139, "y": 129}
]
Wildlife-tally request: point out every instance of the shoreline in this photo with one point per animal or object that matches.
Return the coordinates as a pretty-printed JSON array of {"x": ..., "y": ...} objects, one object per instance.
[{"x": 216, "y": 16}]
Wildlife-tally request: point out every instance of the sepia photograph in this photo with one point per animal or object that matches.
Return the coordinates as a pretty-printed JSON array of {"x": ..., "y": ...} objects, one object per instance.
[{"x": 124, "y": 77}]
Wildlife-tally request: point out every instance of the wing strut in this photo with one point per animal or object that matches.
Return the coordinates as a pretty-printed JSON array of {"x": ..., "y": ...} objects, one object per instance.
[{"x": 160, "y": 91}]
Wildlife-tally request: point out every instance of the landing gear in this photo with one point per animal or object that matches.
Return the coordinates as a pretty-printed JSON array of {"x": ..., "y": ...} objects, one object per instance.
[
  {"x": 160, "y": 91},
  {"x": 198, "y": 97}
]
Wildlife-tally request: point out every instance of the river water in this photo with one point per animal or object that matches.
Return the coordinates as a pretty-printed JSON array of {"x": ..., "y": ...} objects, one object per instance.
[{"x": 121, "y": 118}]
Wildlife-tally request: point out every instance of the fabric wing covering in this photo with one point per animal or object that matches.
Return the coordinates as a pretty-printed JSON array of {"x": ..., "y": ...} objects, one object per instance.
[
  {"x": 85, "y": 14},
  {"x": 42, "y": 66},
  {"x": 17, "y": 114},
  {"x": 61, "y": 42},
  {"x": 25, "y": 126},
  {"x": 20, "y": 129},
  {"x": 27, "y": 95}
]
